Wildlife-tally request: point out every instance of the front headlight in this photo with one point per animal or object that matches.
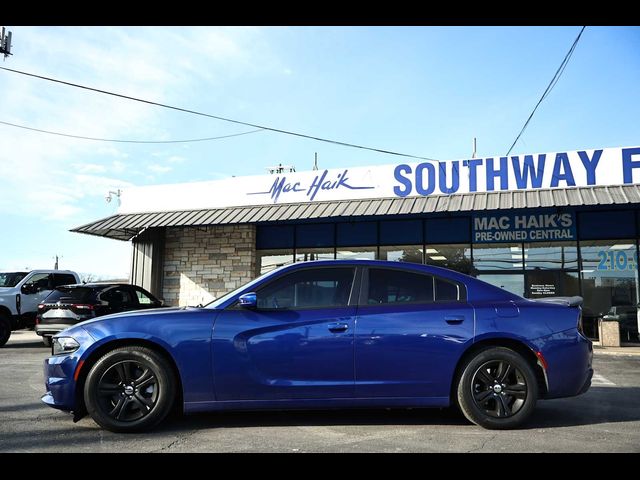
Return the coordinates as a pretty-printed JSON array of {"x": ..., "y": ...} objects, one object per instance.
[{"x": 62, "y": 345}]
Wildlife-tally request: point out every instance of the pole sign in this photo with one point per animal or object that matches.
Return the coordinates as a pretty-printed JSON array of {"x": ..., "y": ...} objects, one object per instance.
[
  {"x": 523, "y": 227},
  {"x": 607, "y": 166}
]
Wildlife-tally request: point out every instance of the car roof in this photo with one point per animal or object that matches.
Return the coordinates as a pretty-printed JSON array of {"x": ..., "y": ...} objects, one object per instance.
[{"x": 99, "y": 285}]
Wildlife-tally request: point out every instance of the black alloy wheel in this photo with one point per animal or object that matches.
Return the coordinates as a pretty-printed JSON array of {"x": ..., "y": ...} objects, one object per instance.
[
  {"x": 130, "y": 389},
  {"x": 497, "y": 389}
]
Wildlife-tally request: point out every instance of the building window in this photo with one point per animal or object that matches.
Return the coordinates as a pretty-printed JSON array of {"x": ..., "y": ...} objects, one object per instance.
[
  {"x": 455, "y": 257},
  {"x": 610, "y": 284},
  {"x": 551, "y": 255},
  {"x": 356, "y": 253},
  {"x": 497, "y": 256},
  {"x": 310, "y": 254},
  {"x": 402, "y": 253},
  {"x": 267, "y": 260},
  {"x": 513, "y": 283}
]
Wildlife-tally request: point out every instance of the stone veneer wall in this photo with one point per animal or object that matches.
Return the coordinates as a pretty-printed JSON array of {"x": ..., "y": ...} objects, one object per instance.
[{"x": 203, "y": 263}]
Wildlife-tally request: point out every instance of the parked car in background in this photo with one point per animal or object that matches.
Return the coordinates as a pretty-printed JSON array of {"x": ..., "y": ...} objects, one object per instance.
[
  {"x": 328, "y": 334},
  {"x": 70, "y": 304},
  {"x": 20, "y": 294}
]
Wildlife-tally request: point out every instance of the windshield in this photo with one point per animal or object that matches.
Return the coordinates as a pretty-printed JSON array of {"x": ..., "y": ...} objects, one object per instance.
[{"x": 11, "y": 279}]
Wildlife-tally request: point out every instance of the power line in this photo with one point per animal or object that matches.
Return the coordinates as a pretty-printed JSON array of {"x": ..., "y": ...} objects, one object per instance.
[
  {"x": 194, "y": 112},
  {"x": 552, "y": 84},
  {"x": 127, "y": 141}
]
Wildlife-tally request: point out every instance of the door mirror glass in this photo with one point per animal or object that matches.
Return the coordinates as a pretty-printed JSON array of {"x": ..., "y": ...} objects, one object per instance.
[
  {"x": 28, "y": 289},
  {"x": 248, "y": 300}
]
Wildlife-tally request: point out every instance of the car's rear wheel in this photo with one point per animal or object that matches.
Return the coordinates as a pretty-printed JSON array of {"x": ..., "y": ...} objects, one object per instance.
[
  {"x": 46, "y": 339},
  {"x": 130, "y": 389},
  {"x": 5, "y": 329},
  {"x": 498, "y": 389}
]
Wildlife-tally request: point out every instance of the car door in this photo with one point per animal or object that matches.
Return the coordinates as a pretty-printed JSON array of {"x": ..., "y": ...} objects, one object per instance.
[
  {"x": 120, "y": 299},
  {"x": 296, "y": 344},
  {"x": 411, "y": 328},
  {"x": 38, "y": 286}
]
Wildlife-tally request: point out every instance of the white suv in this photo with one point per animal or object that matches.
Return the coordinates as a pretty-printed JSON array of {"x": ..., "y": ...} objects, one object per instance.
[{"x": 20, "y": 294}]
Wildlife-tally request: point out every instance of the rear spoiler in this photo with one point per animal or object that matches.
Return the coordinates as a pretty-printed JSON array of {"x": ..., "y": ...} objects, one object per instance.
[{"x": 566, "y": 301}]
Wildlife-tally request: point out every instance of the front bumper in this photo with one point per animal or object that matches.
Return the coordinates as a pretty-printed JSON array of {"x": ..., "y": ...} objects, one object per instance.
[{"x": 60, "y": 370}]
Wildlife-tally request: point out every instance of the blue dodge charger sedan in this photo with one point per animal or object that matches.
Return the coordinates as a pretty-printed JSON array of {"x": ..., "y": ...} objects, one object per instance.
[{"x": 327, "y": 334}]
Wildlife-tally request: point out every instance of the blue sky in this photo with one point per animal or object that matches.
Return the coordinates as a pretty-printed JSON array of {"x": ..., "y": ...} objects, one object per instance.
[{"x": 421, "y": 90}]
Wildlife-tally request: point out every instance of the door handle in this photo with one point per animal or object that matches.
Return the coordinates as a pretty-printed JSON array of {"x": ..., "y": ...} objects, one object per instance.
[
  {"x": 337, "y": 327},
  {"x": 454, "y": 319}
]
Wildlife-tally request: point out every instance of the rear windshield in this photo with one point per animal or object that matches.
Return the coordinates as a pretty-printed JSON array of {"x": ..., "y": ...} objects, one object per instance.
[
  {"x": 71, "y": 295},
  {"x": 11, "y": 279}
]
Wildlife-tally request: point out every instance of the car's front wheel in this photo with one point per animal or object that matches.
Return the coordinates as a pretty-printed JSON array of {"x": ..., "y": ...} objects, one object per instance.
[
  {"x": 498, "y": 389},
  {"x": 130, "y": 389}
]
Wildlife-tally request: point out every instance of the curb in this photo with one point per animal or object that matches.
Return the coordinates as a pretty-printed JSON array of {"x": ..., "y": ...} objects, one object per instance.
[{"x": 598, "y": 351}]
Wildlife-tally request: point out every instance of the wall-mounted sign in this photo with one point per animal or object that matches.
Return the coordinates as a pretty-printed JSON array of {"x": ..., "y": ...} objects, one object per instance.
[
  {"x": 608, "y": 166},
  {"x": 523, "y": 227}
]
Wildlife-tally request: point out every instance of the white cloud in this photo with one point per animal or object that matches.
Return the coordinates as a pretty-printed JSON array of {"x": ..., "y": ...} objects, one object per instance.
[
  {"x": 176, "y": 159},
  {"x": 89, "y": 168},
  {"x": 155, "y": 168}
]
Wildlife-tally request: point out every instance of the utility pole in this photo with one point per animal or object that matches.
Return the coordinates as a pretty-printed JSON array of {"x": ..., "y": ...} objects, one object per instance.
[
  {"x": 315, "y": 163},
  {"x": 56, "y": 265},
  {"x": 5, "y": 43},
  {"x": 473, "y": 155}
]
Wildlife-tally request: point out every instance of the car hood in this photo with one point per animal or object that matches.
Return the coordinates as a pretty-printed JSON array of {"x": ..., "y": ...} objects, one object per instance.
[{"x": 159, "y": 312}]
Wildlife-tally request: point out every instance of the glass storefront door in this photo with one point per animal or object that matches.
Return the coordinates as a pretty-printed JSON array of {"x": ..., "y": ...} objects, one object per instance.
[{"x": 610, "y": 285}]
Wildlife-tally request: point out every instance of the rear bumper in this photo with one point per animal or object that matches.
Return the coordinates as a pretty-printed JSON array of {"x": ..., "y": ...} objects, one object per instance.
[
  {"x": 50, "y": 329},
  {"x": 569, "y": 356}
]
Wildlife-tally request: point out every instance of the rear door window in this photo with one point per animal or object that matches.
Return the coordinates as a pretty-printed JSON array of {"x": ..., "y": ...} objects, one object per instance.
[{"x": 390, "y": 286}]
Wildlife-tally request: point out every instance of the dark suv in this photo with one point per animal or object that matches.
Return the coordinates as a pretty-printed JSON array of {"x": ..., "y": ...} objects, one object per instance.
[{"x": 71, "y": 304}]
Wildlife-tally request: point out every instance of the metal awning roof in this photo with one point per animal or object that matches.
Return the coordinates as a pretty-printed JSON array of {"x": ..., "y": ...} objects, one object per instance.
[{"x": 126, "y": 226}]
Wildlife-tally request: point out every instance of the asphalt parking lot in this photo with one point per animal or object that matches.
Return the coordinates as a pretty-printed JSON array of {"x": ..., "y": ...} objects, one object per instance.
[{"x": 605, "y": 419}]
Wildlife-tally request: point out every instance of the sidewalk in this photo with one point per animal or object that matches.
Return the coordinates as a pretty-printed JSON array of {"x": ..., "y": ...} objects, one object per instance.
[{"x": 627, "y": 349}]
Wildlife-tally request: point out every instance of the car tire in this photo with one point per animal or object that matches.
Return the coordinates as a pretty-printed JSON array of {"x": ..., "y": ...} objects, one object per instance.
[
  {"x": 46, "y": 339},
  {"x": 5, "y": 329},
  {"x": 130, "y": 389},
  {"x": 497, "y": 389}
]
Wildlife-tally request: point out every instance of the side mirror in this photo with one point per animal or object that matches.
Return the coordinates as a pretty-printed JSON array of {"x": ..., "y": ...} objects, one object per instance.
[
  {"x": 28, "y": 288},
  {"x": 160, "y": 303},
  {"x": 248, "y": 300}
]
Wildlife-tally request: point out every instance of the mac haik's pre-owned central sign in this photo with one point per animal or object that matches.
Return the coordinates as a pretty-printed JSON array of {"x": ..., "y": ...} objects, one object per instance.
[{"x": 608, "y": 166}]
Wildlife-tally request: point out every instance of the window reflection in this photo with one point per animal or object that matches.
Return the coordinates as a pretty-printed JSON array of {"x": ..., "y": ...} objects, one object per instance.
[
  {"x": 356, "y": 253},
  {"x": 454, "y": 257},
  {"x": 403, "y": 253},
  {"x": 498, "y": 256},
  {"x": 267, "y": 260}
]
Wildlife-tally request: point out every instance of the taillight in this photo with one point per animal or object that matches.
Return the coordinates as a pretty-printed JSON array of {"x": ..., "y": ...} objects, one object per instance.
[
  {"x": 82, "y": 307},
  {"x": 580, "y": 326},
  {"x": 40, "y": 306}
]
